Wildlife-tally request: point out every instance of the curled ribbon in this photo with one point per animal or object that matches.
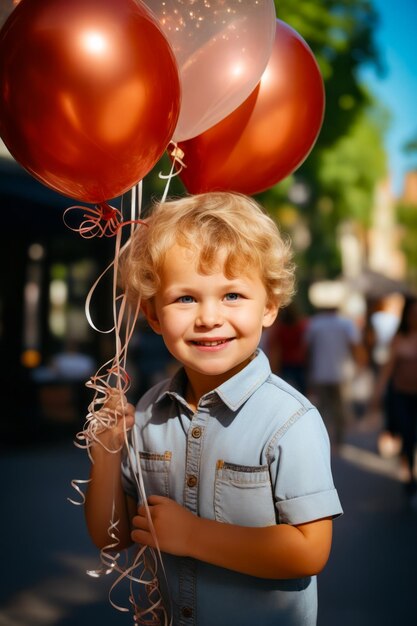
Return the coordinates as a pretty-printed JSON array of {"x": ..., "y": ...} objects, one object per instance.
[
  {"x": 102, "y": 220},
  {"x": 106, "y": 221}
]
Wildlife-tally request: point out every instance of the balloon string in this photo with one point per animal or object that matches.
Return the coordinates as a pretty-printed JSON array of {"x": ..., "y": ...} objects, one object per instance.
[
  {"x": 144, "y": 569},
  {"x": 102, "y": 220},
  {"x": 136, "y": 198},
  {"x": 96, "y": 283},
  {"x": 108, "y": 559},
  {"x": 177, "y": 157}
]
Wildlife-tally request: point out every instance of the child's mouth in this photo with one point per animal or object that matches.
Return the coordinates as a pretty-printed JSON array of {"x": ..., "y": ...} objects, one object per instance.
[{"x": 211, "y": 344}]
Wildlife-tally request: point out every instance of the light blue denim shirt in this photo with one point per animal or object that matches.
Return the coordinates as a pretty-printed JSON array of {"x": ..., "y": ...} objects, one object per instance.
[{"x": 255, "y": 453}]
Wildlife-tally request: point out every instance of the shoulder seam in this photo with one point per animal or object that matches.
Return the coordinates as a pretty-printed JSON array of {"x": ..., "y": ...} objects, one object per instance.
[{"x": 285, "y": 427}]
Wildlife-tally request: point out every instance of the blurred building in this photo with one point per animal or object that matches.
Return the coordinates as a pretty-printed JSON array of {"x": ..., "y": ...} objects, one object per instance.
[
  {"x": 373, "y": 264},
  {"x": 409, "y": 195},
  {"x": 384, "y": 254},
  {"x": 376, "y": 251},
  {"x": 46, "y": 271}
]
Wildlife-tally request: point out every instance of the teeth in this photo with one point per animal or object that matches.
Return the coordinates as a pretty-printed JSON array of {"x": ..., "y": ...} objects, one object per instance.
[{"x": 209, "y": 343}]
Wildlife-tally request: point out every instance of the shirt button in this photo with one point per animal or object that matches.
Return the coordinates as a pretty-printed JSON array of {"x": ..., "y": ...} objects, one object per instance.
[
  {"x": 192, "y": 480},
  {"x": 196, "y": 432},
  {"x": 187, "y": 611}
]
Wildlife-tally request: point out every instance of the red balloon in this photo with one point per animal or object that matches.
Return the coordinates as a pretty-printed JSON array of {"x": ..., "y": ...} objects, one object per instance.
[
  {"x": 89, "y": 94},
  {"x": 268, "y": 136}
]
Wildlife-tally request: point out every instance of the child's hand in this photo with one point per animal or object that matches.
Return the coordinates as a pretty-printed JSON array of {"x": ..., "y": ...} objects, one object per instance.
[
  {"x": 172, "y": 522},
  {"x": 121, "y": 415}
]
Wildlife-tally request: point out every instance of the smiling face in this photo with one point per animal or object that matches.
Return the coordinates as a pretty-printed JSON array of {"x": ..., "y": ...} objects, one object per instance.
[{"x": 212, "y": 324}]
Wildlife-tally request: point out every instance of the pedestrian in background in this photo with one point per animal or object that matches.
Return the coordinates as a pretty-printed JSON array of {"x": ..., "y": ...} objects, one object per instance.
[
  {"x": 287, "y": 348},
  {"x": 400, "y": 374},
  {"x": 383, "y": 319},
  {"x": 333, "y": 341}
]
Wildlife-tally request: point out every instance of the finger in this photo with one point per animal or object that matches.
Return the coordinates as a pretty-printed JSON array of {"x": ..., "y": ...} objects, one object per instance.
[
  {"x": 142, "y": 537},
  {"x": 115, "y": 400},
  {"x": 140, "y": 522},
  {"x": 131, "y": 420},
  {"x": 153, "y": 500},
  {"x": 141, "y": 510},
  {"x": 126, "y": 423}
]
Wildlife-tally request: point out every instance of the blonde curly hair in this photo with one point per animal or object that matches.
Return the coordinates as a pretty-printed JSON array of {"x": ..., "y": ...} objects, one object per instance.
[{"x": 209, "y": 224}]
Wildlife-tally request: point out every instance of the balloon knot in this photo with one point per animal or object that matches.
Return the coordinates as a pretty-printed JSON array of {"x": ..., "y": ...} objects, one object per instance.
[
  {"x": 102, "y": 220},
  {"x": 107, "y": 212},
  {"x": 177, "y": 153}
]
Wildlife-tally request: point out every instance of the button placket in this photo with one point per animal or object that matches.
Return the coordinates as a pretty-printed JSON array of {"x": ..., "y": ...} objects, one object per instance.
[
  {"x": 187, "y": 589},
  {"x": 192, "y": 467},
  {"x": 191, "y": 488}
]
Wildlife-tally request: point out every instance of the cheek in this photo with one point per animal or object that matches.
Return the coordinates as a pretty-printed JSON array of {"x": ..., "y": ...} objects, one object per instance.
[
  {"x": 173, "y": 324},
  {"x": 249, "y": 321}
]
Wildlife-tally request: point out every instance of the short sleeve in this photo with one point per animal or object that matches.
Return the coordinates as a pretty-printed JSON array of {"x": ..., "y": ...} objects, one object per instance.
[{"x": 301, "y": 472}]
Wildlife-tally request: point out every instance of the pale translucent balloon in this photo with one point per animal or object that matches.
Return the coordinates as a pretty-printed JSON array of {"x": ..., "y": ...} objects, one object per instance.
[{"x": 222, "y": 48}]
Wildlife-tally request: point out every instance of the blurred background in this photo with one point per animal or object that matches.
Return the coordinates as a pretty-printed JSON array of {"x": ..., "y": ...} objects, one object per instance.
[{"x": 351, "y": 213}]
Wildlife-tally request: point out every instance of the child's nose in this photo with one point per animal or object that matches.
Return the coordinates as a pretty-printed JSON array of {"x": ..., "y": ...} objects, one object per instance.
[{"x": 209, "y": 315}]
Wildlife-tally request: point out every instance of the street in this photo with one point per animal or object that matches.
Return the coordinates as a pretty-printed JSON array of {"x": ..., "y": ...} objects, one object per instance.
[{"x": 370, "y": 579}]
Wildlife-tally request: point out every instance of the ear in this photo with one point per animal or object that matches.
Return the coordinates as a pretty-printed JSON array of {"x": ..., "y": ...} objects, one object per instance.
[
  {"x": 149, "y": 310},
  {"x": 270, "y": 313}
]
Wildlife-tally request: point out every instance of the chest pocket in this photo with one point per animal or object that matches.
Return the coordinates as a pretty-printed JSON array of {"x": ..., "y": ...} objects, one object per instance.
[
  {"x": 155, "y": 472},
  {"x": 243, "y": 495}
]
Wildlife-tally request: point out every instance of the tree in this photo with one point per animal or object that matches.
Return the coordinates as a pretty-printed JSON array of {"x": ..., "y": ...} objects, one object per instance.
[
  {"x": 410, "y": 147},
  {"x": 340, "y": 34},
  {"x": 348, "y": 159},
  {"x": 407, "y": 218}
]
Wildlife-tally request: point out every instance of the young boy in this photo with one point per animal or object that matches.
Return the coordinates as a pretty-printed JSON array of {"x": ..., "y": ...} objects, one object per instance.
[{"x": 235, "y": 461}]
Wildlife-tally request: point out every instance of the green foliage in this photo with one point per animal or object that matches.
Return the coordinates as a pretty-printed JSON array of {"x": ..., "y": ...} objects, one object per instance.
[
  {"x": 349, "y": 169},
  {"x": 407, "y": 218},
  {"x": 340, "y": 34},
  {"x": 348, "y": 158},
  {"x": 411, "y": 146}
]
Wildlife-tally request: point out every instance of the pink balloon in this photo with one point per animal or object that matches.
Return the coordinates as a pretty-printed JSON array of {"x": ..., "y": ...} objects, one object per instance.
[{"x": 222, "y": 48}]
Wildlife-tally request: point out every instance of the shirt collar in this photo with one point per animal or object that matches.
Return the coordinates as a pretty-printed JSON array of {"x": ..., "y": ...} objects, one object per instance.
[{"x": 235, "y": 391}]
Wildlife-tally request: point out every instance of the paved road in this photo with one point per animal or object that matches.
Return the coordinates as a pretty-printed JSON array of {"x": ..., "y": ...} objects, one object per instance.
[{"x": 370, "y": 579}]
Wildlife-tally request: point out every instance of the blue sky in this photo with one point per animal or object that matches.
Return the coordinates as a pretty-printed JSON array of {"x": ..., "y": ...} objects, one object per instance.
[{"x": 397, "y": 89}]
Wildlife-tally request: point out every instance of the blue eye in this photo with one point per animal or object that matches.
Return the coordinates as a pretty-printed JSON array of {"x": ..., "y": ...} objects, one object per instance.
[
  {"x": 185, "y": 299},
  {"x": 232, "y": 297}
]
